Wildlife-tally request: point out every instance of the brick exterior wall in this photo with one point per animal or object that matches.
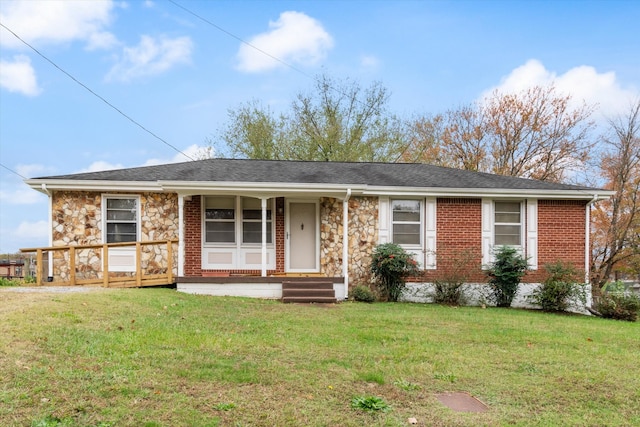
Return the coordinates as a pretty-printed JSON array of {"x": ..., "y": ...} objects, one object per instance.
[
  {"x": 193, "y": 236},
  {"x": 458, "y": 239},
  {"x": 561, "y": 228}
]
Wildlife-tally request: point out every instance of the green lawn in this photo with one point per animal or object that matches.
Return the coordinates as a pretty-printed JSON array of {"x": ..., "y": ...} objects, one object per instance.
[{"x": 155, "y": 357}]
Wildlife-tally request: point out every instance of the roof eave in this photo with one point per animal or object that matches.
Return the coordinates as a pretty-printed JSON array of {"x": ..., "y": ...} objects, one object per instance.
[{"x": 44, "y": 185}]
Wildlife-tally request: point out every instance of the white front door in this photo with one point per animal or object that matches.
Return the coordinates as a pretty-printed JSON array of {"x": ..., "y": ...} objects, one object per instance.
[{"x": 302, "y": 237}]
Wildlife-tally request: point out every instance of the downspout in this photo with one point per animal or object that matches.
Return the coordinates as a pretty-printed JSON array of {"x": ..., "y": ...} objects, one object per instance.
[
  {"x": 587, "y": 234},
  {"x": 263, "y": 205},
  {"x": 180, "y": 235},
  {"x": 50, "y": 253},
  {"x": 345, "y": 242}
]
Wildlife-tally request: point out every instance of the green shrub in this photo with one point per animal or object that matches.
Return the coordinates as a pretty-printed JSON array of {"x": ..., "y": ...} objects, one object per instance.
[
  {"x": 561, "y": 289},
  {"x": 391, "y": 265},
  {"x": 505, "y": 274},
  {"x": 363, "y": 294},
  {"x": 615, "y": 303}
]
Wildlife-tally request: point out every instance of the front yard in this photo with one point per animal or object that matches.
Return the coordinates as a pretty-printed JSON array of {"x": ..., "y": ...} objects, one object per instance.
[{"x": 155, "y": 357}]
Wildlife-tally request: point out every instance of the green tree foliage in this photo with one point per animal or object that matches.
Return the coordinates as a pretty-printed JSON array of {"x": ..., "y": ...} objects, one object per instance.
[
  {"x": 337, "y": 121},
  {"x": 505, "y": 274},
  {"x": 391, "y": 265},
  {"x": 561, "y": 289}
]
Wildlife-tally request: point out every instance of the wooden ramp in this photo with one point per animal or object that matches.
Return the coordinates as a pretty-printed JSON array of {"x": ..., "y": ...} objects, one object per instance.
[{"x": 320, "y": 291}]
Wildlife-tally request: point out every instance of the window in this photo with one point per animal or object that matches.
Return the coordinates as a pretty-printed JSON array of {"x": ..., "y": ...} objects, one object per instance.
[
  {"x": 219, "y": 220},
  {"x": 121, "y": 219},
  {"x": 252, "y": 221},
  {"x": 406, "y": 222},
  {"x": 508, "y": 223},
  {"x": 222, "y": 224}
]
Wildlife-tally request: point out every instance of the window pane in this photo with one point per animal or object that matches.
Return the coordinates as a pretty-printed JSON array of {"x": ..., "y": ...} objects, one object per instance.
[
  {"x": 126, "y": 204},
  {"x": 121, "y": 232},
  {"x": 220, "y": 232},
  {"x": 255, "y": 214},
  {"x": 507, "y": 235},
  {"x": 406, "y": 234},
  {"x": 219, "y": 214},
  {"x": 252, "y": 232},
  {"x": 507, "y": 206},
  {"x": 508, "y": 217},
  {"x": 406, "y": 210},
  {"x": 114, "y": 215}
]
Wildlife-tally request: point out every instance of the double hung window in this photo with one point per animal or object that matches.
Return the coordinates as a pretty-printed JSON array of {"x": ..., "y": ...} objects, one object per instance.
[
  {"x": 121, "y": 219},
  {"x": 220, "y": 220},
  {"x": 508, "y": 223},
  {"x": 406, "y": 222}
]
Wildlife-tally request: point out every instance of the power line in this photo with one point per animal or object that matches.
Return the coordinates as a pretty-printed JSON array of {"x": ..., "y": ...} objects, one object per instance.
[
  {"x": 13, "y": 172},
  {"x": 95, "y": 94},
  {"x": 230, "y": 34}
]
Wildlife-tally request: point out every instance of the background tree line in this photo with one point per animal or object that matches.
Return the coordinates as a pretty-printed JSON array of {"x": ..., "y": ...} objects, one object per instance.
[{"x": 537, "y": 133}]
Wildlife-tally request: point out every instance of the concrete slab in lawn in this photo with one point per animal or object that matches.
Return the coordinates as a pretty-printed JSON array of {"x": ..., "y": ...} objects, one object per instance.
[{"x": 461, "y": 402}]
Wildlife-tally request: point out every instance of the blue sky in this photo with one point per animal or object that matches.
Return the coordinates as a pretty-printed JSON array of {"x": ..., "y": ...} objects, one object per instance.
[{"x": 177, "y": 75}]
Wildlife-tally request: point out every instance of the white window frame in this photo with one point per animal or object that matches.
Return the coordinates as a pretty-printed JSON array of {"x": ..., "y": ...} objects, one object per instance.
[
  {"x": 243, "y": 220},
  {"x": 521, "y": 224},
  {"x": 392, "y": 222},
  {"x": 528, "y": 230},
  {"x": 106, "y": 221},
  {"x": 234, "y": 221},
  {"x": 238, "y": 224}
]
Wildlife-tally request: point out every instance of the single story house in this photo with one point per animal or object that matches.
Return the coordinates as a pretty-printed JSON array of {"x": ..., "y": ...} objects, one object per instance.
[{"x": 244, "y": 227}]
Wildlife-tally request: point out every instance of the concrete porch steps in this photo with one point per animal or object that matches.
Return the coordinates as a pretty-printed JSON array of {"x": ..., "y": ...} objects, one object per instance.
[{"x": 308, "y": 292}]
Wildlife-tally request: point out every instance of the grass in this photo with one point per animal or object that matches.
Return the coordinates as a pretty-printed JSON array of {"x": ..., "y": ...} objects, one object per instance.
[{"x": 155, "y": 357}]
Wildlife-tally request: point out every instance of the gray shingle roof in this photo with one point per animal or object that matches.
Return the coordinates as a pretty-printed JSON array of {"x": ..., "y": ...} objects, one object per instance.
[{"x": 302, "y": 172}]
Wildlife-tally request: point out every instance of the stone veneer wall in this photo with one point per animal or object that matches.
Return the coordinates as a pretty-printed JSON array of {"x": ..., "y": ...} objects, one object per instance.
[
  {"x": 363, "y": 236},
  {"x": 77, "y": 220}
]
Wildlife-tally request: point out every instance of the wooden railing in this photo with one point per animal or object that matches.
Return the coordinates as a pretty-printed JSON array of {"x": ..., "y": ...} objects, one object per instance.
[{"x": 75, "y": 271}]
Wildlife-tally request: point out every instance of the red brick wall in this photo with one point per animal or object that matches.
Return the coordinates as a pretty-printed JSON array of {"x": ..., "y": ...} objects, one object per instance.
[
  {"x": 458, "y": 239},
  {"x": 193, "y": 237},
  {"x": 561, "y": 230}
]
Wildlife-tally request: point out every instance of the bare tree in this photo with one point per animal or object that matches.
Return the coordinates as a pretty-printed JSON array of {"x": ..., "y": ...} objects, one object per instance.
[
  {"x": 616, "y": 222},
  {"x": 533, "y": 134}
]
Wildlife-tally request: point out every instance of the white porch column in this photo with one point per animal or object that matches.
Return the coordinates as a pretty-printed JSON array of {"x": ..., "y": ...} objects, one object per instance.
[
  {"x": 263, "y": 205},
  {"x": 180, "y": 235},
  {"x": 345, "y": 243}
]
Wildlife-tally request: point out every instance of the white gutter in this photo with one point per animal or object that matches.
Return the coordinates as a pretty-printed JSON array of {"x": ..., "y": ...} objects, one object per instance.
[
  {"x": 180, "y": 235},
  {"x": 345, "y": 242},
  {"x": 587, "y": 238},
  {"x": 263, "y": 205},
  {"x": 50, "y": 238}
]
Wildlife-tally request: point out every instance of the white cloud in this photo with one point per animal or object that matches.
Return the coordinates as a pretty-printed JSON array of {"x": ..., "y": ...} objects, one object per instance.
[
  {"x": 294, "y": 38},
  {"x": 33, "y": 230},
  {"x": 55, "y": 22},
  {"x": 151, "y": 56},
  {"x": 583, "y": 83},
  {"x": 19, "y": 76}
]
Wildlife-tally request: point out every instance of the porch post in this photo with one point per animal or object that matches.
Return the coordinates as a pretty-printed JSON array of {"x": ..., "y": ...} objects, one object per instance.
[
  {"x": 180, "y": 235},
  {"x": 345, "y": 243},
  {"x": 263, "y": 204}
]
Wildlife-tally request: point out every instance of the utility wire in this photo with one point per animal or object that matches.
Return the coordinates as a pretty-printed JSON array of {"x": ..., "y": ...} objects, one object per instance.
[
  {"x": 230, "y": 34},
  {"x": 13, "y": 172},
  {"x": 95, "y": 94}
]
